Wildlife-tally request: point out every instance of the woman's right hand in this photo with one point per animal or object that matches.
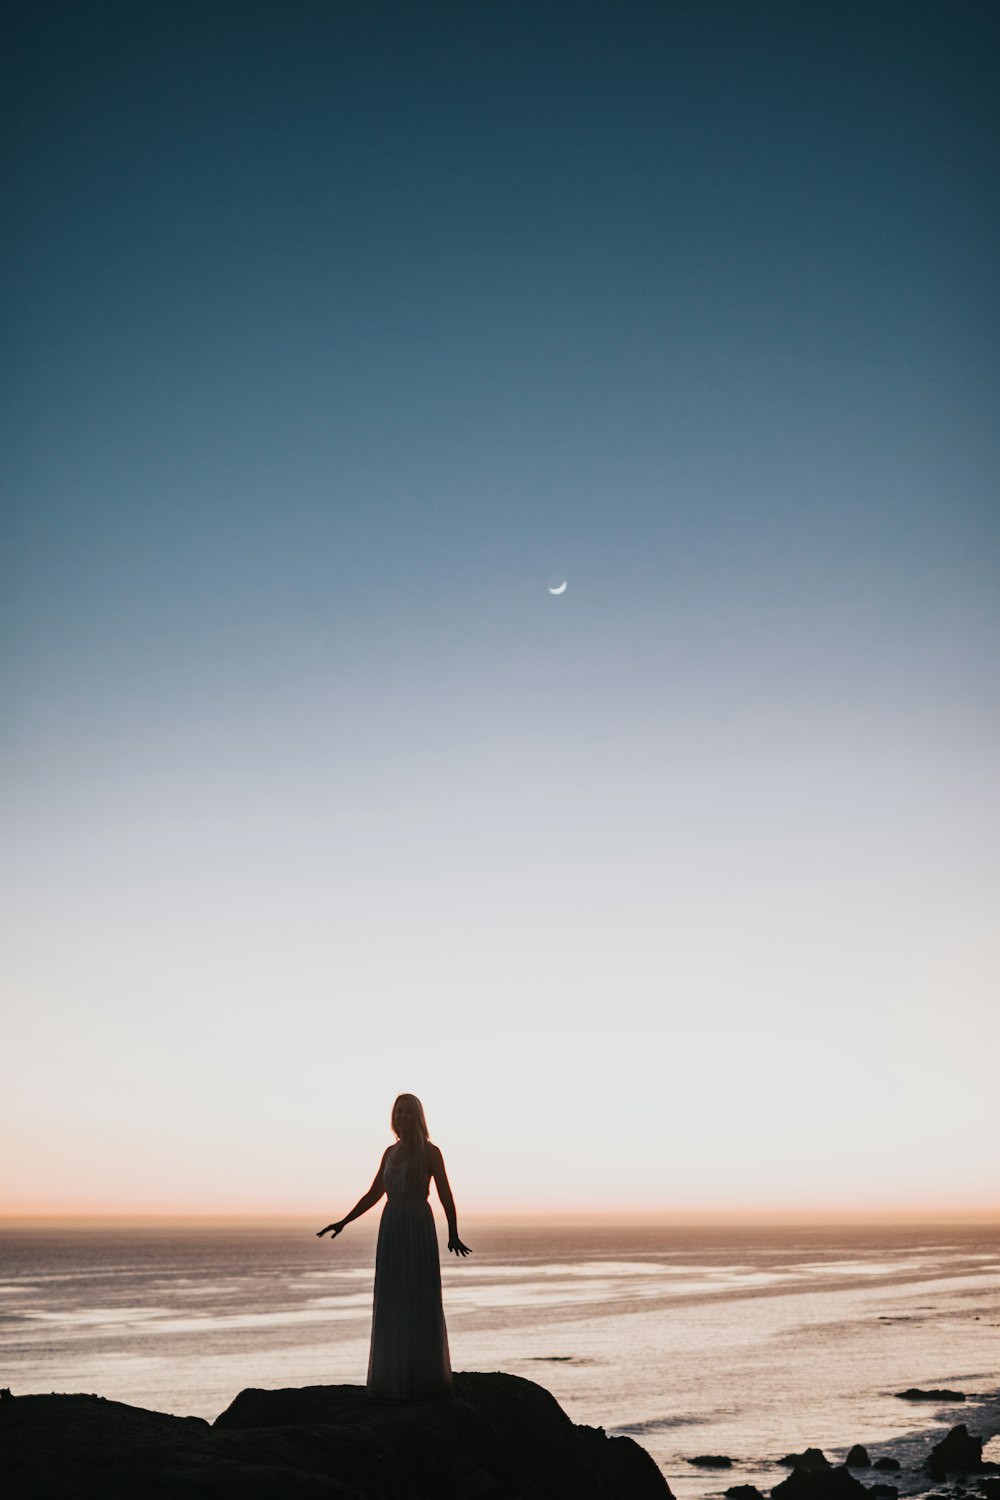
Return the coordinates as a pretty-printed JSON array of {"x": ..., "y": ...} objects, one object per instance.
[{"x": 331, "y": 1229}]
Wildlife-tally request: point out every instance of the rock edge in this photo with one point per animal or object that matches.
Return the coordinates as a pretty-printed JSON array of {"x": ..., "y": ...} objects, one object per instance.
[{"x": 501, "y": 1438}]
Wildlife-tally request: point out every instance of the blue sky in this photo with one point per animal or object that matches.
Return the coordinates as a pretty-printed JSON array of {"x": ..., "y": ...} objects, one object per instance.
[{"x": 336, "y": 335}]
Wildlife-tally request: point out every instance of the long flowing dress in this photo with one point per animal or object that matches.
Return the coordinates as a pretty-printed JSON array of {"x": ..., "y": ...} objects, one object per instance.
[{"x": 409, "y": 1357}]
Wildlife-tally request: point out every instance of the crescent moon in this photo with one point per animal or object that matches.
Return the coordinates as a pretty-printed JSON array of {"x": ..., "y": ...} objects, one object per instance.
[{"x": 560, "y": 590}]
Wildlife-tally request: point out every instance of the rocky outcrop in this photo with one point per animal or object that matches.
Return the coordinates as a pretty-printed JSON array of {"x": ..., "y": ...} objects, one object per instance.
[
  {"x": 501, "y": 1438},
  {"x": 712, "y": 1461},
  {"x": 915, "y": 1394},
  {"x": 958, "y": 1453},
  {"x": 858, "y": 1458},
  {"x": 886, "y": 1464},
  {"x": 810, "y": 1458},
  {"x": 821, "y": 1483}
]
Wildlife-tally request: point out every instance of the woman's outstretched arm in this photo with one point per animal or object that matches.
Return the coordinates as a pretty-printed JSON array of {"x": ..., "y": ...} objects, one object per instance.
[
  {"x": 436, "y": 1161},
  {"x": 362, "y": 1206}
]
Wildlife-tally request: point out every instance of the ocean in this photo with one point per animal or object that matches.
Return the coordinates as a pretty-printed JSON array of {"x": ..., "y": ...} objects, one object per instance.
[{"x": 744, "y": 1342}]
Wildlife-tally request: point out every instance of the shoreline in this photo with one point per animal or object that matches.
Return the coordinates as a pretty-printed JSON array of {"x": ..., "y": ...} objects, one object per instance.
[{"x": 979, "y": 1412}]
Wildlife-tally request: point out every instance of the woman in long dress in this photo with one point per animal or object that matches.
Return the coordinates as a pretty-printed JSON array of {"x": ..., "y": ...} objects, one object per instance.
[{"x": 409, "y": 1350}]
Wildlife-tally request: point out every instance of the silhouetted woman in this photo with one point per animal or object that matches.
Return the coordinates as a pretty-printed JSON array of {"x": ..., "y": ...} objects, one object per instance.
[{"x": 409, "y": 1351}]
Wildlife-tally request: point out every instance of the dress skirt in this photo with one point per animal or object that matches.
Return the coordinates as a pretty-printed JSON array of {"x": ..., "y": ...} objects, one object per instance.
[{"x": 409, "y": 1357}]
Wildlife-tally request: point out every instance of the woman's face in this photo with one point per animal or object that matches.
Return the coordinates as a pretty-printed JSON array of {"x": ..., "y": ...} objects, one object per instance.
[{"x": 402, "y": 1117}]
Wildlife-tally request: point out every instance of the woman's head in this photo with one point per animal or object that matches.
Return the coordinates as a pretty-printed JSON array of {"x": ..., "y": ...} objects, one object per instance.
[{"x": 408, "y": 1120}]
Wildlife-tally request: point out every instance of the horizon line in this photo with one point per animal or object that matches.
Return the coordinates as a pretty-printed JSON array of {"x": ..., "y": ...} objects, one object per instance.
[{"x": 665, "y": 1218}]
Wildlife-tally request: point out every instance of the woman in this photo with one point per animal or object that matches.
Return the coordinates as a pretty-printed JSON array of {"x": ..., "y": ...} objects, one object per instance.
[{"x": 409, "y": 1350}]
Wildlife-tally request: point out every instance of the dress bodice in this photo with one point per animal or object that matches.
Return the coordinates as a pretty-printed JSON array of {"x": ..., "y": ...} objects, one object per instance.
[{"x": 406, "y": 1180}]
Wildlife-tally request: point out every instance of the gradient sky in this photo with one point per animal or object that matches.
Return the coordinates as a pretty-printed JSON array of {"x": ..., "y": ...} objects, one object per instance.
[{"x": 337, "y": 333}]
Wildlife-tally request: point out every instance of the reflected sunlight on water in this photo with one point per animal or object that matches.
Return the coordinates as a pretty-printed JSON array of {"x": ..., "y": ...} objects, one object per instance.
[{"x": 735, "y": 1341}]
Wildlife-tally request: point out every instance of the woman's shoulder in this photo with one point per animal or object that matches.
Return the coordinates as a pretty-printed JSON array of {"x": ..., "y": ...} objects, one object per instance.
[{"x": 397, "y": 1151}]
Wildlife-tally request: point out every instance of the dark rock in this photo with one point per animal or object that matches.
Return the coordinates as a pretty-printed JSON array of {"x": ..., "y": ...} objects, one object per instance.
[
  {"x": 811, "y": 1458},
  {"x": 958, "y": 1453},
  {"x": 500, "y": 1437},
  {"x": 5, "y": 1394},
  {"x": 743, "y": 1492},
  {"x": 858, "y": 1458},
  {"x": 883, "y": 1491},
  {"x": 712, "y": 1461},
  {"x": 913, "y": 1394},
  {"x": 820, "y": 1484},
  {"x": 990, "y": 1488},
  {"x": 886, "y": 1463}
]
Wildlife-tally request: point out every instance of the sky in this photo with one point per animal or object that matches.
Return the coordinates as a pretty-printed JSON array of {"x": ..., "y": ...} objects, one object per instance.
[{"x": 337, "y": 335}]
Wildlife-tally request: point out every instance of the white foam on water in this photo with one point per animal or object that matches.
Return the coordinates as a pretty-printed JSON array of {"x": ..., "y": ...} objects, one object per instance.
[{"x": 749, "y": 1343}]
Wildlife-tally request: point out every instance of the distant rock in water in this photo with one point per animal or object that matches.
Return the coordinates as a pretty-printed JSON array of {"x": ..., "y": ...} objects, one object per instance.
[
  {"x": 743, "y": 1492},
  {"x": 858, "y": 1458},
  {"x": 886, "y": 1463},
  {"x": 914, "y": 1394},
  {"x": 811, "y": 1458},
  {"x": 820, "y": 1484},
  {"x": 500, "y": 1437},
  {"x": 958, "y": 1453},
  {"x": 712, "y": 1461}
]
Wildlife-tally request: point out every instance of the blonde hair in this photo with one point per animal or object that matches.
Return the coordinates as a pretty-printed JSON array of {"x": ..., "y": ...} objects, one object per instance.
[
  {"x": 420, "y": 1118},
  {"x": 413, "y": 1157}
]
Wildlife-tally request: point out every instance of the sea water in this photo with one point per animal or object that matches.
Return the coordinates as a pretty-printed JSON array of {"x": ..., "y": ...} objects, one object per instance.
[{"x": 748, "y": 1343}]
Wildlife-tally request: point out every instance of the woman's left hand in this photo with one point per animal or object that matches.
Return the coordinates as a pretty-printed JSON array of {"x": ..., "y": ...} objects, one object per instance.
[{"x": 456, "y": 1246}]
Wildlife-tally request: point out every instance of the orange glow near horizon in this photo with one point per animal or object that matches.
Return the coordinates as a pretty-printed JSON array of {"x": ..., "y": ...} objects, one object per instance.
[{"x": 707, "y": 1216}]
